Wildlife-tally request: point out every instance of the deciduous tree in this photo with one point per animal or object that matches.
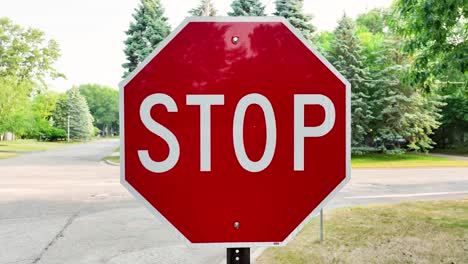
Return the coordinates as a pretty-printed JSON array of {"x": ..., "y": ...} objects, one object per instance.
[
  {"x": 14, "y": 105},
  {"x": 436, "y": 33},
  {"x": 103, "y": 104},
  {"x": 26, "y": 55}
]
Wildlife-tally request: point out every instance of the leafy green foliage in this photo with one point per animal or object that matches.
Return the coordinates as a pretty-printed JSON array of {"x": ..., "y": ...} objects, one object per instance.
[
  {"x": 103, "y": 104},
  {"x": 43, "y": 107},
  {"x": 14, "y": 105},
  {"x": 404, "y": 116},
  {"x": 247, "y": 8},
  {"x": 292, "y": 10},
  {"x": 149, "y": 27},
  {"x": 205, "y": 8},
  {"x": 374, "y": 20},
  {"x": 323, "y": 42},
  {"x": 26, "y": 58},
  {"x": 44, "y": 131},
  {"x": 435, "y": 33},
  {"x": 26, "y": 55},
  {"x": 72, "y": 107},
  {"x": 454, "y": 128}
]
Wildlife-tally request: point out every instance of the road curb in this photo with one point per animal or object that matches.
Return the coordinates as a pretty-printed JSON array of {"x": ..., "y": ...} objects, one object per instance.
[{"x": 111, "y": 163}]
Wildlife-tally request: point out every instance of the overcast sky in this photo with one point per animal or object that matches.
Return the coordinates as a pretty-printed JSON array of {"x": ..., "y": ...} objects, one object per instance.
[{"x": 91, "y": 32}]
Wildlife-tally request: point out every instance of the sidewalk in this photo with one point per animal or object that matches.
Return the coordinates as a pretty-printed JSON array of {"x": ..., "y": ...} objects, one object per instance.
[{"x": 448, "y": 156}]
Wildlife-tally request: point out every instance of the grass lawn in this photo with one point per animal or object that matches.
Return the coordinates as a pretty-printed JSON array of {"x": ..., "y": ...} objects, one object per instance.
[
  {"x": 6, "y": 155},
  {"x": 28, "y": 145},
  {"x": 415, "y": 232},
  {"x": 404, "y": 161},
  {"x": 9, "y": 149},
  {"x": 115, "y": 159},
  {"x": 386, "y": 161}
]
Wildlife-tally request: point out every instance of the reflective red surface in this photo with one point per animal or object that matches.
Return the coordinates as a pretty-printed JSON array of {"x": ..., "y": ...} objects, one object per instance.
[{"x": 202, "y": 59}]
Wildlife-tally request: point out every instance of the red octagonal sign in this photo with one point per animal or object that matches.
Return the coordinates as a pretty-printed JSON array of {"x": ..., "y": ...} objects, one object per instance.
[{"x": 235, "y": 131}]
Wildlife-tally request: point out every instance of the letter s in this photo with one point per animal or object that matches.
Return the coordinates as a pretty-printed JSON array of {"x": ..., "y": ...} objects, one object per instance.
[{"x": 160, "y": 130}]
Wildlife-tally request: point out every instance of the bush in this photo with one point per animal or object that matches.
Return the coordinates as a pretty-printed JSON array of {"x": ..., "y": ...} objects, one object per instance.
[
  {"x": 96, "y": 131},
  {"x": 42, "y": 130},
  {"x": 359, "y": 151},
  {"x": 397, "y": 151},
  {"x": 54, "y": 134}
]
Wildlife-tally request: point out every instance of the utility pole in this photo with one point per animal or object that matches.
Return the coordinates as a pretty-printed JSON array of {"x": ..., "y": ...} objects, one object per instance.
[{"x": 68, "y": 128}]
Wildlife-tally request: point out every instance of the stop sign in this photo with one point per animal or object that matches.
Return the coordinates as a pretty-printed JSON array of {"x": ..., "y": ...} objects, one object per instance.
[{"x": 235, "y": 131}]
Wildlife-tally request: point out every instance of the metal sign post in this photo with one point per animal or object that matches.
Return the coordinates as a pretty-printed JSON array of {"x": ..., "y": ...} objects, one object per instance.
[
  {"x": 321, "y": 225},
  {"x": 238, "y": 256}
]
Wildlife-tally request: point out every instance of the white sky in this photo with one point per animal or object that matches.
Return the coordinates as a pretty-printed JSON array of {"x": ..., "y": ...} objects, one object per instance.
[{"x": 91, "y": 32}]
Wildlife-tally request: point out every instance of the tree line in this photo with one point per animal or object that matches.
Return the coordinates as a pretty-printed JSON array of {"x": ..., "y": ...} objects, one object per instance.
[
  {"x": 406, "y": 65},
  {"x": 29, "y": 110}
]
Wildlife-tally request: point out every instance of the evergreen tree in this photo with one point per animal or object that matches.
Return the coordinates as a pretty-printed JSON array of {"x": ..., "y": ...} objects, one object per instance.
[
  {"x": 404, "y": 115},
  {"x": 72, "y": 105},
  {"x": 347, "y": 58},
  {"x": 247, "y": 8},
  {"x": 205, "y": 8},
  {"x": 149, "y": 28},
  {"x": 292, "y": 11},
  {"x": 407, "y": 115}
]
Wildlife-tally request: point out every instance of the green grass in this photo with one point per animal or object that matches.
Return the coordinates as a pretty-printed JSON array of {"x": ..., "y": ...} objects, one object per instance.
[
  {"x": 404, "y": 161},
  {"x": 115, "y": 159},
  {"x": 386, "y": 161},
  {"x": 415, "y": 232},
  {"x": 6, "y": 155},
  {"x": 28, "y": 145},
  {"x": 9, "y": 149}
]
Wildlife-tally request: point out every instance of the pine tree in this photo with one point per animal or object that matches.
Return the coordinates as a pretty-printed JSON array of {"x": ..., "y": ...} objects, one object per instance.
[
  {"x": 292, "y": 10},
  {"x": 149, "y": 27},
  {"x": 247, "y": 8},
  {"x": 205, "y": 8},
  {"x": 73, "y": 106},
  {"x": 404, "y": 115},
  {"x": 346, "y": 57}
]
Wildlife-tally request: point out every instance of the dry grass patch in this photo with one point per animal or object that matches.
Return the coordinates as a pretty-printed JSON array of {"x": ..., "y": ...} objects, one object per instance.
[
  {"x": 6, "y": 155},
  {"x": 416, "y": 232}
]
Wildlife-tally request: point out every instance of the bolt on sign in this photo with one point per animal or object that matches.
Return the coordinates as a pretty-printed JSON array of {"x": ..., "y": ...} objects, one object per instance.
[{"x": 235, "y": 131}]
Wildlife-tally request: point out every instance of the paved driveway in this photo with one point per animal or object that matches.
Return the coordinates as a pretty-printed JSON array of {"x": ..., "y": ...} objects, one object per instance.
[{"x": 65, "y": 206}]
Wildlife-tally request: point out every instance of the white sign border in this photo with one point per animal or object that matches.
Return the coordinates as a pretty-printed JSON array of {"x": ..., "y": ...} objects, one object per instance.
[{"x": 158, "y": 49}]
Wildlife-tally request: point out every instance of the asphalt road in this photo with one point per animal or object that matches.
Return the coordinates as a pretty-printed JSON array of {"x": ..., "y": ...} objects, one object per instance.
[{"x": 65, "y": 206}]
